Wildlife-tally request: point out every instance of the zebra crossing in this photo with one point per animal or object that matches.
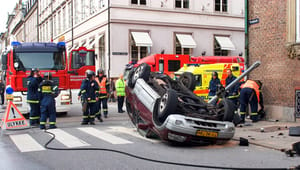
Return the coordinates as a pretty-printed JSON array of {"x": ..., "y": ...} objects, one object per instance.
[{"x": 110, "y": 135}]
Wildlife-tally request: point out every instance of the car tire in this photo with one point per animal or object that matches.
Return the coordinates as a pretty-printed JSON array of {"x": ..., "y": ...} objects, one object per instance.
[
  {"x": 228, "y": 108},
  {"x": 129, "y": 79},
  {"x": 167, "y": 105},
  {"x": 142, "y": 71},
  {"x": 188, "y": 80}
]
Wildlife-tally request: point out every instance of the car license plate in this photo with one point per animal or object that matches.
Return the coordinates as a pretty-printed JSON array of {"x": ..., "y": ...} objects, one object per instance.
[{"x": 204, "y": 133}]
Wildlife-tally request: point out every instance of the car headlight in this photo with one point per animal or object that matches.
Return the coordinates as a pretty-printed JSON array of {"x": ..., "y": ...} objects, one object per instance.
[
  {"x": 17, "y": 99},
  {"x": 65, "y": 97},
  {"x": 178, "y": 122}
]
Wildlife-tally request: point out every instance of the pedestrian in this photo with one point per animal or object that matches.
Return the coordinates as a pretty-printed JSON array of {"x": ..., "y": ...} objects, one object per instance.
[
  {"x": 232, "y": 93},
  {"x": 112, "y": 90},
  {"x": 120, "y": 88},
  {"x": 2, "y": 89},
  {"x": 49, "y": 91},
  {"x": 250, "y": 94},
  {"x": 103, "y": 94},
  {"x": 88, "y": 93},
  {"x": 33, "y": 82},
  {"x": 213, "y": 85}
]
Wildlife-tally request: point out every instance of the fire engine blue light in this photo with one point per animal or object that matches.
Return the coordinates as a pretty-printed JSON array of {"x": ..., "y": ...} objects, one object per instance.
[
  {"x": 61, "y": 44},
  {"x": 9, "y": 90},
  {"x": 15, "y": 43}
]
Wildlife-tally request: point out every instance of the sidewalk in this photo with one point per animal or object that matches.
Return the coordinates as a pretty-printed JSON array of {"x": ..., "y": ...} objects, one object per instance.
[{"x": 270, "y": 134}]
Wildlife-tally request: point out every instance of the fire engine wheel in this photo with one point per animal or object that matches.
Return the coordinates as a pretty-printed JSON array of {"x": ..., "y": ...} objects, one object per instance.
[
  {"x": 167, "y": 105},
  {"x": 142, "y": 71},
  {"x": 227, "y": 108},
  {"x": 188, "y": 80}
]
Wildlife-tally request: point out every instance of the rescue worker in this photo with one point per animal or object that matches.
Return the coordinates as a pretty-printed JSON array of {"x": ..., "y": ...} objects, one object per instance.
[
  {"x": 120, "y": 88},
  {"x": 2, "y": 89},
  {"x": 103, "y": 84},
  {"x": 89, "y": 96},
  {"x": 232, "y": 93},
  {"x": 49, "y": 90},
  {"x": 33, "y": 82},
  {"x": 213, "y": 85},
  {"x": 250, "y": 94}
]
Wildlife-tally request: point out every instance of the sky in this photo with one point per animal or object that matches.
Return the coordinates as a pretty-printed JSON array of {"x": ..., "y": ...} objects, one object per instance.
[{"x": 7, "y": 6}]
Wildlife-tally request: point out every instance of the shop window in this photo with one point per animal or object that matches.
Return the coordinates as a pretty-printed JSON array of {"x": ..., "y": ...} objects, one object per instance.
[{"x": 139, "y": 2}]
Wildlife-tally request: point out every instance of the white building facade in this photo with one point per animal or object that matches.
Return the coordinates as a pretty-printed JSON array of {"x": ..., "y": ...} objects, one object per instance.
[{"x": 121, "y": 31}]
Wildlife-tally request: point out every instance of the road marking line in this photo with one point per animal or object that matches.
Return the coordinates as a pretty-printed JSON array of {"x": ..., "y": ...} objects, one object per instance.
[
  {"x": 104, "y": 136},
  {"x": 132, "y": 132},
  {"x": 26, "y": 143},
  {"x": 67, "y": 139}
]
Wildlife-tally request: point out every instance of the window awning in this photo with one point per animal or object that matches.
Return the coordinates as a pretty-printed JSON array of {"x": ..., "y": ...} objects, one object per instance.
[
  {"x": 142, "y": 39},
  {"x": 91, "y": 44},
  {"x": 225, "y": 43},
  {"x": 186, "y": 41}
]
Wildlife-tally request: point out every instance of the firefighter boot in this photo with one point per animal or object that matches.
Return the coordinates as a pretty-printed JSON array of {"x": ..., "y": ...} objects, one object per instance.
[
  {"x": 254, "y": 118},
  {"x": 242, "y": 119}
]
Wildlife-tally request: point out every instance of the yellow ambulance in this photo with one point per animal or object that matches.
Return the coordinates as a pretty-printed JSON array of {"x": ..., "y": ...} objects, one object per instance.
[{"x": 198, "y": 76}]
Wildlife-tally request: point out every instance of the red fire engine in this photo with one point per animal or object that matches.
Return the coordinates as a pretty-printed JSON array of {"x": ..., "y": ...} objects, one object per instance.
[{"x": 20, "y": 58}]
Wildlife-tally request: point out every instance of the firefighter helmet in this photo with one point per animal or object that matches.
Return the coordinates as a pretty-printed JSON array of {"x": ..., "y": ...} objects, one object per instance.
[
  {"x": 89, "y": 73},
  {"x": 48, "y": 76},
  {"x": 100, "y": 71},
  {"x": 34, "y": 70}
]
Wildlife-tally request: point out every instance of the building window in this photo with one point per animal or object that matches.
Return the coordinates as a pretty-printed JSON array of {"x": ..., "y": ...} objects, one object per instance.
[
  {"x": 181, "y": 3},
  {"x": 180, "y": 50},
  {"x": 59, "y": 23},
  {"x": 92, "y": 7},
  {"x": 102, "y": 51},
  {"x": 76, "y": 11},
  {"x": 138, "y": 52},
  {"x": 138, "y": 2},
  {"x": 218, "y": 49},
  {"x": 69, "y": 15},
  {"x": 64, "y": 19},
  {"x": 221, "y": 5},
  {"x": 82, "y": 9},
  {"x": 54, "y": 25}
]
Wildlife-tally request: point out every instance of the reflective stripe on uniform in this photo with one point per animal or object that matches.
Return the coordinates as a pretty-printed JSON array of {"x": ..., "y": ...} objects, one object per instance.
[
  {"x": 34, "y": 118},
  {"x": 83, "y": 91},
  {"x": 85, "y": 117},
  {"x": 52, "y": 123},
  {"x": 98, "y": 113},
  {"x": 254, "y": 114},
  {"x": 92, "y": 101},
  {"x": 103, "y": 97},
  {"x": 242, "y": 113},
  {"x": 92, "y": 116},
  {"x": 33, "y": 101},
  {"x": 42, "y": 123},
  {"x": 233, "y": 97}
]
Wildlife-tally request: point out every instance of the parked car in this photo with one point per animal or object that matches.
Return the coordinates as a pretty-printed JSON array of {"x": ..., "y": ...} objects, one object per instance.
[{"x": 159, "y": 105}]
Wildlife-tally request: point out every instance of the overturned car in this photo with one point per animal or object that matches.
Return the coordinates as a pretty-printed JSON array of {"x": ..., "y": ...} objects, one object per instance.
[{"x": 161, "y": 106}]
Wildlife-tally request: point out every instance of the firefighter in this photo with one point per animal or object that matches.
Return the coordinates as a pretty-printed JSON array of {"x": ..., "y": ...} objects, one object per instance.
[
  {"x": 232, "y": 93},
  {"x": 49, "y": 90},
  {"x": 120, "y": 87},
  {"x": 250, "y": 94},
  {"x": 89, "y": 96},
  {"x": 33, "y": 82},
  {"x": 103, "y": 94},
  {"x": 213, "y": 85}
]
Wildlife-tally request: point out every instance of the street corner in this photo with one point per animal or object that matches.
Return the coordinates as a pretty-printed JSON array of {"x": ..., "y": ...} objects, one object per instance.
[{"x": 268, "y": 134}]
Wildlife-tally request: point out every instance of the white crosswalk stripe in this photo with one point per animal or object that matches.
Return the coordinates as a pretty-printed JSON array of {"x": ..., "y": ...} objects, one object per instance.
[
  {"x": 26, "y": 143},
  {"x": 67, "y": 139},
  {"x": 130, "y": 131},
  {"x": 104, "y": 136}
]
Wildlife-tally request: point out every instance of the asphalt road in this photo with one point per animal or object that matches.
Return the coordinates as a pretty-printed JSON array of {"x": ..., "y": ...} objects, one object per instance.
[{"x": 117, "y": 133}]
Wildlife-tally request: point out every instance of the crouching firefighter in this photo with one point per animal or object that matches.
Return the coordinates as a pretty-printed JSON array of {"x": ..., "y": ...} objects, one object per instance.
[
  {"x": 89, "y": 96},
  {"x": 250, "y": 94},
  {"x": 48, "y": 90}
]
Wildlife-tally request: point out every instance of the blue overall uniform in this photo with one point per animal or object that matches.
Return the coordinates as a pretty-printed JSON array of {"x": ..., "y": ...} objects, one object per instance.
[
  {"x": 48, "y": 92},
  {"x": 33, "y": 99},
  {"x": 89, "y": 91},
  {"x": 233, "y": 91}
]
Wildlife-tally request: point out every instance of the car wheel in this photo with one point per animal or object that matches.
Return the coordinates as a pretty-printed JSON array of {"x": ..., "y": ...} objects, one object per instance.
[
  {"x": 129, "y": 80},
  {"x": 167, "y": 104},
  {"x": 228, "y": 109},
  {"x": 142, "y": 71},
  {"x": 188, "y": 80}
]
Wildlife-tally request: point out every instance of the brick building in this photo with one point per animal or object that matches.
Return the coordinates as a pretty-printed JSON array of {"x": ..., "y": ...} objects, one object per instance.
[{"x": 275, "y": 41}]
